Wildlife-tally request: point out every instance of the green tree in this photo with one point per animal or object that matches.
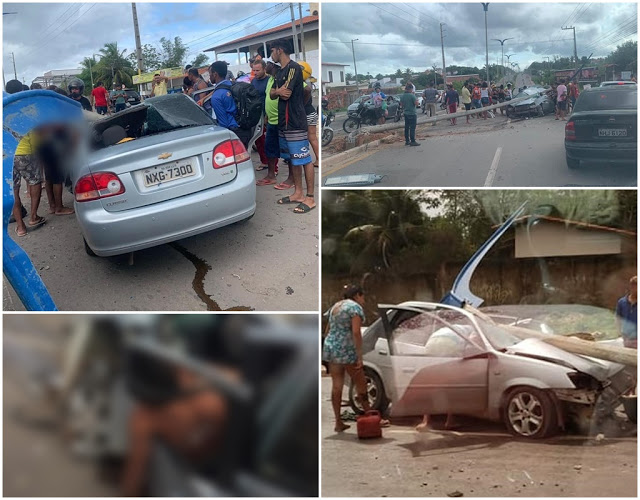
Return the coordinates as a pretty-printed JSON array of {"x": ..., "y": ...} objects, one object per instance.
[
  {"x": 150, "y": 58},
  {"x": 398, "y": 73},
  {"x": 379, "y": 76},
  {"x": 200, "y": 60},
  {"x": 114, "y": 68},
  {"x": 625, "y": 56},
  {"x": 173, "y": 52}
]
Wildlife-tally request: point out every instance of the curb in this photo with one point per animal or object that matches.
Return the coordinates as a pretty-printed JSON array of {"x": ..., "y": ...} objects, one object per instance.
[{"x": 341, "y": 157}]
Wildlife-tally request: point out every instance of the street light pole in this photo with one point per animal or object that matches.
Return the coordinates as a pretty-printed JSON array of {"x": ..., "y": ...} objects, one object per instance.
[
  {"x": 485, "y": 6},
  {"x": 444, "y": 67},
  {"x": 502, "y": 47},
  {"x": 355, "y": 68}
]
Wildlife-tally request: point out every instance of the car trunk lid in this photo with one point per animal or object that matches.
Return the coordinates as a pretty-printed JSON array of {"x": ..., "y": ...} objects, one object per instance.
[
  {"x": 605, "y": 126},
  {"x": 163, "y": 166}
]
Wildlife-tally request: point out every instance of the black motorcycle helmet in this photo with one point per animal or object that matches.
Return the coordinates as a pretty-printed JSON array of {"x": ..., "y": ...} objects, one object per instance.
[{"x": 75, "y": 88}]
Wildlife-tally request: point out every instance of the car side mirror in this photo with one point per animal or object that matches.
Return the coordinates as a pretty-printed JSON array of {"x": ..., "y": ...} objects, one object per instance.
[{"x": 382, "y": 347}]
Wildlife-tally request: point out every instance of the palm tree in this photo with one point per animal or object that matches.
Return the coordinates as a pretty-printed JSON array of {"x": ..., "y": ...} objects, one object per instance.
[{"x": 114, "y": 67}]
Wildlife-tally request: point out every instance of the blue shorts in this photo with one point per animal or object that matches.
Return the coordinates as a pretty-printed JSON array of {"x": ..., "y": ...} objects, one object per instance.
[
  {"x": 272, "y": 142},
  {"x": 476, "y": 103},
  {"x": 485, "y": 101},
  {"x": 294, "y": 146}
]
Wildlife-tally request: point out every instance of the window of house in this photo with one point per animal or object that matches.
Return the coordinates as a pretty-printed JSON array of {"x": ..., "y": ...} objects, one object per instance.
[
  {"x": 342, "y": 76},
  {"x": 330, "y": 76}
]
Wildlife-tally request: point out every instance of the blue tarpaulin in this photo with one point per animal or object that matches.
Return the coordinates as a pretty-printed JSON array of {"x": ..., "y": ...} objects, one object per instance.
[{"x": 23, "y": 112}]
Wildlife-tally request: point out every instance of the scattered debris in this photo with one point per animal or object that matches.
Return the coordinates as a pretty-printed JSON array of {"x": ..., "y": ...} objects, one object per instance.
[
  {"x": 455, "y": 494},
  {"x": 289, "y": 290},
  {"x": 577, "y": 467},
  {"x": 235, "y": 276}
]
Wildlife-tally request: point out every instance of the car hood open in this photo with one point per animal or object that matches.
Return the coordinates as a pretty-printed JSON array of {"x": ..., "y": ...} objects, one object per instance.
[{"x": 536, "y": 348}]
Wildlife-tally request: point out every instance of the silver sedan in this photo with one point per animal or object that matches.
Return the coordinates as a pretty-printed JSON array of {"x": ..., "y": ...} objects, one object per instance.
[{"x": 158, "y": 172}]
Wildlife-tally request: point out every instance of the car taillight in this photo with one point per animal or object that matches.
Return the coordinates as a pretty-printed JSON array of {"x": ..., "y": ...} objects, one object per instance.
[
  {"x": 570, "y": 131},
  {"x": 98, "y": 185},
  {"x": 229, "y": 153}
]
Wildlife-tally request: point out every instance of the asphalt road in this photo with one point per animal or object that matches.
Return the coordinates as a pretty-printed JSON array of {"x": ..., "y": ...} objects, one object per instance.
[
  {"x": 267, "y": 263},
  {"x": 497, "y": 153},
  {"x": 478, "y": 460}
]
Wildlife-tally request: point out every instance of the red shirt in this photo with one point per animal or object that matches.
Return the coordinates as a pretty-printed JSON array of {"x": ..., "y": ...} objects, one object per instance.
[{"x": 100, "y": 94}]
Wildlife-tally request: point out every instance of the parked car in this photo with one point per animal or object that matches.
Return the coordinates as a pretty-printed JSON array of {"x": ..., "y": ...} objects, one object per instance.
[
  {"x": 159, "y": 172},
  {"x": 133, "y": 97},
  {"x": 419, "y": 98},
  {"x": 603, "y": 126},
  {"x": 618, "y": 82},
  {"x": 538, "y": 104},
  {"x": 392, "y": 102},
  {"x": 431, "y": 358}
]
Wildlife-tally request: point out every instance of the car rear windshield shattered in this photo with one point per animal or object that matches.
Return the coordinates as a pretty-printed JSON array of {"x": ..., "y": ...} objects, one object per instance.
[
  {"x": 155, "y": 116},
  {"x": 603, "y": 100}
]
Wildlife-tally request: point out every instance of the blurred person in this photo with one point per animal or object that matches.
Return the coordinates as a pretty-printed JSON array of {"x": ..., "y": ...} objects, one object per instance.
[
  {"x": 501, "y": 98},
  {"x": 409, "y": 101},
  {"x": 484, "y": 97},
  {"x": 272, "y": 141},
  {"x": 159, "y": 85},
  {"x": 187, "y": 86},
  {"x": 430, "y": 96},
  {"x": 260, "y": 81},
  {"x": 377, "y": 98},
  {"x": 627, "y": 315},
  {"x": 292, "y": 126},
  {"x": 343, "y": 349},
  {"x": 36, "y": 86},
  {"x": 121, "y": 99},
  {"x": 451, "y": 100},
  {"x": 178, "y": 408},
  {"x": 574, "y": 92},
  {"x": 476, "y": 99},
  {"x": 54, "y": 146},
  {"x": 76, "y": 91},
  {"x": 100, "y": 97},
  {"x": 199, "y": 84},
  {"x": 13, "y": 86},
  {"x": 312, "y": 112}
]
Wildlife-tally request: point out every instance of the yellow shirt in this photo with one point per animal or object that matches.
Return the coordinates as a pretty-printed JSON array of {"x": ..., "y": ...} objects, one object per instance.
[
  {"x": 160, "y": 89},
  {"x": 465, "y": 96},
  {"x": 27, "y": 145}
]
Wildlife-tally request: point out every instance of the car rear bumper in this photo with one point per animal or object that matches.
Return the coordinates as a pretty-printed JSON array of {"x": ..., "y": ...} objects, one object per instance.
[
  {"x": 114, "y": 233},
  {"x": 618, "y": 153}
]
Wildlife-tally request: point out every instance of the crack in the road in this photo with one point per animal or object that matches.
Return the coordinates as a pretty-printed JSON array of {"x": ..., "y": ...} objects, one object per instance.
[{"x": 202, "y": 268}]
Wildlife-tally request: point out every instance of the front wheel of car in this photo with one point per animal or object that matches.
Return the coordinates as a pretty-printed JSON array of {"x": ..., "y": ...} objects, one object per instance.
[
  {"x": 375, "y": 393},
  {"x": 540, "y": 110},
  {"x": 529, "y": 412},
  {"x": 350, "y": 124},
  {"x": 573, "y": 164}
]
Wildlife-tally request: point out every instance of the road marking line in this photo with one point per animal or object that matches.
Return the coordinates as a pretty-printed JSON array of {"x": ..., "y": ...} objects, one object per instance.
[
  {"x": 356, "y": 159},
  {"x": 494, "y": 168}
]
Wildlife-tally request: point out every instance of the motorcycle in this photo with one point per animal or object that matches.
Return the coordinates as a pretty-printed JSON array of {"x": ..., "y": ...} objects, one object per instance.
[
  {"x": 366, "y": 115},
  {"x": 329, "y": 115},
  {"x": 327, "y": 132}
]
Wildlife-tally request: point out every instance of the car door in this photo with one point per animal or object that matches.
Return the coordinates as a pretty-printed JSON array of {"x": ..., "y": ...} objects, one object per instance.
[{"x": 438, "y": 362}]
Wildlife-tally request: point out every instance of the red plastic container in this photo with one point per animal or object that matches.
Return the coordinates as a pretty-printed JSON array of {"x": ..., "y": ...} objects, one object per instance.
[{"x": 369, "y": 425}]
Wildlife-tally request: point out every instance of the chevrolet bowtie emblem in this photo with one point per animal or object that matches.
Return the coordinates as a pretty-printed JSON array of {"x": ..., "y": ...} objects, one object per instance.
[{"x": 164, "y": 156}]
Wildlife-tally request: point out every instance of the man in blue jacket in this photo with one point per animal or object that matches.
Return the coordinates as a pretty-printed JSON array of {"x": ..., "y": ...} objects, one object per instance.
[{"x": 223, "y": 104}]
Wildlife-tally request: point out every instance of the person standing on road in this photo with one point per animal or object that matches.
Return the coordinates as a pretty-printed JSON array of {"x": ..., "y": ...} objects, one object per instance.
[
  {"x": 312, "y": 113},
  {"x": 120, "y": 96},
  {"x": 259, "y": 82},
  {"x": 100, "y": 96},
  {"x": 476, "y": 99},
  {"x": 342, "y": 349},
  {"x": 452, "y": 100},
  {"x": 292, "y": 126},
  {"x": 199, "y": 84},
  {"x": 430, "y": 96},
  {"x": 562, "y": 100},
  {"x": 627, "y": 315},
  {"x": 502, "y": 94},
  {"x": 484, "y": 97},
  {"x": 377, "y": 98},
  {"x": 574, "y": 92},
  {"x": 409, "y": 102},
  {"x": 466, "y": 99},
  {"x": 272, "y": 142}
]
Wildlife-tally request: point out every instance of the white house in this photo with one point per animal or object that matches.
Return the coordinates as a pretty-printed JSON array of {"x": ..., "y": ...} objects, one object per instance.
[
  {"x": 333, "y": 75},
  {"x": 58, "y": 77},
  {"x": 238, "y": 52}
]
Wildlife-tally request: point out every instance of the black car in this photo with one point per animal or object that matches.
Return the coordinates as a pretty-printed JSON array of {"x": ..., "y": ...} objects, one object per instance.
[
  {"x": 392, "y": 104},
  {"x": 603, "y": 126},
  {"x": 538, "y": 104},
  {"x": 133, "y": 97}
]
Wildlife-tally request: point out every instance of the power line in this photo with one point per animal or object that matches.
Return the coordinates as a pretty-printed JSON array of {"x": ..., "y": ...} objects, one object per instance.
[
  {"x": 571, "y": 15},
  {"x": 581, "y": 13},
  {"x": 632, "y": 23},
  {"x": 395, "y": 15},
  {"x": 421, "y": 12},
  {"x": 44, "y": 39},
  {"x": 376, "y": 43}
]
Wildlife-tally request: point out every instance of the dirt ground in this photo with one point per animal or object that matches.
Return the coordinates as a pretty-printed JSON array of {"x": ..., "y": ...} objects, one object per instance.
[{"x": 478, "y": 459}]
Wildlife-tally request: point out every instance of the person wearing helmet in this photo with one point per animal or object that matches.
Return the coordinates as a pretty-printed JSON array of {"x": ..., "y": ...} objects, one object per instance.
[{"x": 76, "y": 91}]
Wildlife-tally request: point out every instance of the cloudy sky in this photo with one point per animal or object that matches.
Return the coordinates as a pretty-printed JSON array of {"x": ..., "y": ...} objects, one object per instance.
[
  {"x": 58, "y": 36},
  {"x": 407, "y": 35}
]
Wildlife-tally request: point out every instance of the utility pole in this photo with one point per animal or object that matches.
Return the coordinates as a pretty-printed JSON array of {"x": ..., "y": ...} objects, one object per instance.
[
  {"x": 435, "y": 76},
  {"x": 136, "y": 30},
  {"x": 502, "y": 46},
  {"x": 304, "y": 52},
  {"x": 575, "y": 47},
  {"x": 485, "y": 6},
  {"x": 295, "y": 33},
  {"x": 15, "y": 73},
  {"x": 90, "y": 71},
  {"x": 355, "y": 68},
  {"x": 444, "y": 67}
]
